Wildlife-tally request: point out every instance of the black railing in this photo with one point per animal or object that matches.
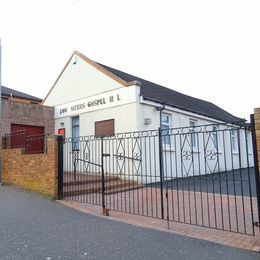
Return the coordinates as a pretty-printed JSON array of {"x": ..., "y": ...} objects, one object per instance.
[
  {"x": 202, "y": 175},
  {"x": 31, "y": 144}
]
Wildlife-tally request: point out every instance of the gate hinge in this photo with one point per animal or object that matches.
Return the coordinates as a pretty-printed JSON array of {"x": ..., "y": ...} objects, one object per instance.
[
  {"x": 256, "y": 224},
  {"x": 166, "y": 194},
  {"x": 106, "y": 154}
]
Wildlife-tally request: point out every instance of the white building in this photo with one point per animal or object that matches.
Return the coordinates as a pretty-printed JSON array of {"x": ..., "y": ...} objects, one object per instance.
[{"x": 93, "y": 99}]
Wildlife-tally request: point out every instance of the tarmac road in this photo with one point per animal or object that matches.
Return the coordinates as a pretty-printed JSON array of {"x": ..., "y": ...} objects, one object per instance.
[{"x": 33, "y": 227}]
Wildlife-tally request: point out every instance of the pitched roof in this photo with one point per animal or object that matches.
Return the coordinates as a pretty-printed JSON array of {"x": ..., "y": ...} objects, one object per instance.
[
  {"x": 17, "y": 94},
  {"x": 176, "y": 99}
]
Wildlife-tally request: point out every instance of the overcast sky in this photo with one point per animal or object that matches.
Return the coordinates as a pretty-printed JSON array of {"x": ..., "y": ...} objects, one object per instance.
[{"x": 206, "y": 49}]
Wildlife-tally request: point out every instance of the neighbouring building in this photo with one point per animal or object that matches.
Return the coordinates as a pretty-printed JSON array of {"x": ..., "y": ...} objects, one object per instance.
[
  {"x": 23, "y": 117},
  {"x": 93, "y": 99}
]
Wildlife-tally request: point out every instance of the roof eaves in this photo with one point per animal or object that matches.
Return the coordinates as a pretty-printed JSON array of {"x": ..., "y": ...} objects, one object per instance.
[
  {"x": 134, "y": 82},
  {"x": 239, "y": 122}
]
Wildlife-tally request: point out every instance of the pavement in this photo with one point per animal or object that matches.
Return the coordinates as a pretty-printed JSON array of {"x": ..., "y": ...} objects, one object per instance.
[{"x": 34, "y": 227}]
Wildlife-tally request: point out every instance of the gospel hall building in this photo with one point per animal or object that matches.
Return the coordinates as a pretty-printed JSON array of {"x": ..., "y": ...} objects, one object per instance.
[
  {"x": 93, "y": 99},
  {"x": 97, "y": 93}
]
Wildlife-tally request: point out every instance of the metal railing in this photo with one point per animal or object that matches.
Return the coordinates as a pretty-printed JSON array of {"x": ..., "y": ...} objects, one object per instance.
[
  {"x": 202, "y": 175},
  {"x": 30, "y": 143}
]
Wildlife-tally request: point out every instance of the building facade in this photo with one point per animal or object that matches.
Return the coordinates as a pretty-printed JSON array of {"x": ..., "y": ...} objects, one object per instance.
[
  {"x": 91, "y": 99},
  {"x": 23, "y": 116}
]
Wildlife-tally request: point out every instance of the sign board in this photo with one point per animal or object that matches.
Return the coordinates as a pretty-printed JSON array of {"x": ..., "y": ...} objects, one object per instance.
[{"x": 102, "y": 101}]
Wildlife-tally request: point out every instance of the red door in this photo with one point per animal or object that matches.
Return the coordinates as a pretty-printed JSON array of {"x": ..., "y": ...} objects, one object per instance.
[
  {"x": 27, "y": 136},
  {"x": 18, "y": 136}
]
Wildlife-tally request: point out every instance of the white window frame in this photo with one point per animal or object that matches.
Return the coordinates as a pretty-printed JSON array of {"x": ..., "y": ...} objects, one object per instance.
[
  {"x": 193, "y": 135},
  {"x": 249, "y": 142},
  {"x": 75, "y": 139},
  {"x": 234, "y": 140},
  {"x": 166, "y": 139},
  {"x": 215, "y": 137}
]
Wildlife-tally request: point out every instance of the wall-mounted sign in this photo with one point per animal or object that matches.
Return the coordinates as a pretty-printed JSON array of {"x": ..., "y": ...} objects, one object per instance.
[{"x": 101, "y": 101}]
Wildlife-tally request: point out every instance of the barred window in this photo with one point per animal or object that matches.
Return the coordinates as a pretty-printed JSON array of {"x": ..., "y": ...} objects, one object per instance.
[
  {"x": 75, "y": 133},
  {"x": 194, "y": 142},
  {"x": 165, "y": 129},
  {"x": 234, "y": 140},
  {"x": 215, "y": 137}
]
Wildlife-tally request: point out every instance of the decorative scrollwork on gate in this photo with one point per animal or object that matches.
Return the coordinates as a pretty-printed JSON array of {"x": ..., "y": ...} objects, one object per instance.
[
  {"x": 86, "y": 156},
  {"x": 120, "y": 156},
  {"x": 210, "y": 151},
  {"x": 125, "y": 152},
  {"x": 81, "y": 156},
  {"x": 137, "y": 156},
  {"x": 186, "y": 154},
  {"x": 211, "y": 155}
]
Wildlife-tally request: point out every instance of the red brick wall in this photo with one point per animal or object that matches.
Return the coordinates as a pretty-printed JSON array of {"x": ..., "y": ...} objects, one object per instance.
[{"x": 35, "y": 172}]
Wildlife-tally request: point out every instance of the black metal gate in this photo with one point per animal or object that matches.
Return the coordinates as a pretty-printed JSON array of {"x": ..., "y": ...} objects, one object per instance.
[{"x": 202, "y": 175}]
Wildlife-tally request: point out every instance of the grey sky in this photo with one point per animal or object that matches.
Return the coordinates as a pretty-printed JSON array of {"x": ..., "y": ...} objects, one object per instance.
[{"x": 207, "y": 49}]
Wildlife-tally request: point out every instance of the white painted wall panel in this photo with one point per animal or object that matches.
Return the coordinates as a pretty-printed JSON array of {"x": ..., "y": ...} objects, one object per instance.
[{"x": 79, "y": 80}]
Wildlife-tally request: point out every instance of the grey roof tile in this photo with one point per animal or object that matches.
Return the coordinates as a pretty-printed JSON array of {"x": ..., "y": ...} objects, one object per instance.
[
  {"x": 17, "y": 94},
  {"x": 176, "y": 99}
]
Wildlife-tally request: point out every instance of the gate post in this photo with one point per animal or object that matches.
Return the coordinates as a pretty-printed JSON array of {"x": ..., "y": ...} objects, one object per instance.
[
  {"x": 60, "y": 166},
  {"x": 161, "y": 170},
  {"x": 256, "y": 138}
]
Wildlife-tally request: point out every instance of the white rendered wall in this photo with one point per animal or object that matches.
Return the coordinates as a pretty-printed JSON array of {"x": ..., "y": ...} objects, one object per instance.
[
  {"x": 79, "y": 80},
  {"x": 175, "y": 165}
]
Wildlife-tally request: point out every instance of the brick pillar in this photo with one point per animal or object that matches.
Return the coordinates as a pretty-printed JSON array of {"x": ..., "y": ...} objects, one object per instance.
[{"x": 257, "y": 129}]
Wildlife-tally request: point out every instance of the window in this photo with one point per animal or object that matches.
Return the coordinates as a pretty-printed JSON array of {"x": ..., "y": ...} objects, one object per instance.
[
  {"x": 249, "y": 142},
  {"x": 215, "y": 137},
  {"x": 234, "y": 140},
  {"x": 105, "y": 128},
  {"x": 75, "y": 133},
  {"x": 165, "y": 129},
  {"x": 194, "y": 142}
]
